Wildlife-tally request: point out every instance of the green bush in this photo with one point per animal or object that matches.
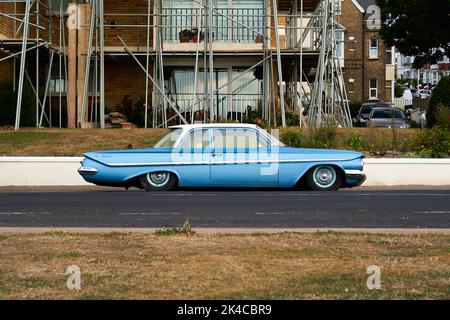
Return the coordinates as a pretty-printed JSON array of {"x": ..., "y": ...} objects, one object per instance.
[
  {"x": 292, "y": 138},
  {"x": 439, "y": 95},
  {"x": 442, "y": 116},
  {"x": 292, "y": 119},
  {"x": 355, "y": 142},
  {"x": 8, "y": 104},
  {"x": 324, "y": 137},
  {"x": 433, "y": 143},
  {"x": 398, "y": 91}
]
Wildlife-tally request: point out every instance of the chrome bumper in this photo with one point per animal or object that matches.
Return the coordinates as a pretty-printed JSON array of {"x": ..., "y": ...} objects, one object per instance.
[
  {"x": 86, "y": 171},
  {"x": 355, "y": 175}
]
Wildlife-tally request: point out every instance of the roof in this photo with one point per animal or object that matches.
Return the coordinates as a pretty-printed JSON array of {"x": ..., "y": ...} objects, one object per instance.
[
  {"x": 364, "y": 4},
  {"x": 213, "y": 125}
]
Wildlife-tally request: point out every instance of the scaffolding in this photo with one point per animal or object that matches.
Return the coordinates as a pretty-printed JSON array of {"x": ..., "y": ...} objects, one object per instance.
[{"x": 292, "y": 44}]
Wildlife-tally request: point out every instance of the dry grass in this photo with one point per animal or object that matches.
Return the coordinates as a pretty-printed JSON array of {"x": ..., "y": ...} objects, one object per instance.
[
  {"x": 73, "y": 142},
  {"x": 209, "y": 266}
]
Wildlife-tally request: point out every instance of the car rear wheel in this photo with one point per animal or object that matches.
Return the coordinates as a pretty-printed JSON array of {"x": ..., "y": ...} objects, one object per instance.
[
  {"x": 158, "y": 181},
  {"x": 324, "y": 178}
]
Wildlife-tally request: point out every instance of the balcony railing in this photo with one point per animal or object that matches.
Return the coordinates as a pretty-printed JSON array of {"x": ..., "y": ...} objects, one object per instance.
[
  {"x": 174, "y": 20},
  {"x": 225, "y": 107}
]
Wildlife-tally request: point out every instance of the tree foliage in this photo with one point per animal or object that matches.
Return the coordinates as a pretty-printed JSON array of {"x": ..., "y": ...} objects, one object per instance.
[
  {"x": 417, "y": 28},
  {"x": 439, "y": 96}
]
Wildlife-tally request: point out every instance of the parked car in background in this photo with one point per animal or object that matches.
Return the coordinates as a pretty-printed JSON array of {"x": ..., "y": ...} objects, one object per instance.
[
  {"x": 423, "y": 94},
  {"x": 387, "y": 117},
  {"x": 364, "y": 112},
  {"x": 222, "y": 155}
]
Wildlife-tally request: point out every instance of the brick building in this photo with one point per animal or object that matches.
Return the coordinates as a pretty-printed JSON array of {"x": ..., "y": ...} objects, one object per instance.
[
  {"x": 224, "y": 88},
  {"x": 368, "y": 70}
]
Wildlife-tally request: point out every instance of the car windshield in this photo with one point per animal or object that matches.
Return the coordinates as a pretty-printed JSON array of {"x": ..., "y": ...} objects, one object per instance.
[
  {"x": 367, "y": 108},
  {"x": 169, "y": 139},
  {"x": 387, "y": 114}
]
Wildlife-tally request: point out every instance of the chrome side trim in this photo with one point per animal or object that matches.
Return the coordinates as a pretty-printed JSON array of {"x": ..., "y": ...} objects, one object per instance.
[
  {"x": 221, "y": 162},
  {"x": 86, "y": 171},
  {"x": 353, "y": 172}
]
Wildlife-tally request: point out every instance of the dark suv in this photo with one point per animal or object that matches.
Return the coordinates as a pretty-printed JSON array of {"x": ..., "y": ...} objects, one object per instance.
[{"x": 364, "y": 112}]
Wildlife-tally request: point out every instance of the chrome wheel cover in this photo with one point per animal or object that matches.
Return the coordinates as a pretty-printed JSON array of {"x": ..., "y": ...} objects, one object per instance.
[
  {"x": 158, "y": 179},
  {"x": 324, "y": 176}
]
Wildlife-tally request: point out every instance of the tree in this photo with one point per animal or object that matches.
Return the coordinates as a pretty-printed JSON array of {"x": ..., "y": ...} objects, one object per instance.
[
  {"x": 439, "y": 96},
  {"x": 417, "y": 28}
]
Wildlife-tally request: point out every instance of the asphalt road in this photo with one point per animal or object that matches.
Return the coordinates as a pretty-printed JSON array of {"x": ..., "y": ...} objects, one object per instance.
[{"x": 221, "y": 209}]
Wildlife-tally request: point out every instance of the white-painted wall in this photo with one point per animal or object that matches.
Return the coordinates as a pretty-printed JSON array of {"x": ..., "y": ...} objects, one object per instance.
[
  {"x": 396, "y": 172},
  {"x": 62, "y": 171},
  {"x": 40, "y": 171}
]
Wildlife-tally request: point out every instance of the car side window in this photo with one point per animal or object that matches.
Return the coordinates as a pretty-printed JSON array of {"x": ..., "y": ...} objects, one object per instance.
[
  {"x": 196, "y": 139},
  {"x": 238, "y": 138}
]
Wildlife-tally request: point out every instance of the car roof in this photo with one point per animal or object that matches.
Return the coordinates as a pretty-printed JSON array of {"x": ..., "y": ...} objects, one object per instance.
[
  {"x": 374, "y": 104},
  {"x": 214, "y": 125}
]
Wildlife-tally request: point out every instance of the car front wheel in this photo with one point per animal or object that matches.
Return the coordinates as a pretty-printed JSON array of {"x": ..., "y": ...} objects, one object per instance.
[
  {"x": 158, "y": 181},
  {"x": 324, "y": 178}
]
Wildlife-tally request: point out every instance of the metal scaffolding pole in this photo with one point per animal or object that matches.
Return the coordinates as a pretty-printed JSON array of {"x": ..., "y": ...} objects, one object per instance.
[
  {"x": 37, "y": 66},
  {"x": 102, "y": 64},
  {"x": 197, "y": 49},
  {"x": 127, "y": 49},
  {"x": 46, "y": 91},
  {"x": 266, "y": 105},
  {"x": 301, "y": 72},
  {"x": 19, "y": 53},
  {"x": 147, "y": 62},
  {"x": 280, "y": 72},
  {"x": 88, "y": 65},
  {"x": 329, "y": 103},
  {"x": 212, "y": 115},
  {"x": 59, "y": 63},
  {"x": 22, "y": 63}
]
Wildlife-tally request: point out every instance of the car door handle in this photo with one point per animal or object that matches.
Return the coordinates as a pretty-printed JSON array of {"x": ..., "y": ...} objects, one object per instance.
[{"x": 217, "y": 154}]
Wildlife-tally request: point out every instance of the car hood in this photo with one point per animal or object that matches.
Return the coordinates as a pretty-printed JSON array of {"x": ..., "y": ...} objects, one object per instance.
[{"x": 387, "y": 122}]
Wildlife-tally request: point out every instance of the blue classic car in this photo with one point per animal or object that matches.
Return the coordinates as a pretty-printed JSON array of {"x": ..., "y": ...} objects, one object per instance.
[{"x": 222, "y": 155}]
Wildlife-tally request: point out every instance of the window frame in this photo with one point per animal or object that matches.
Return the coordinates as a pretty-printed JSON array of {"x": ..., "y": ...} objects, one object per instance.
[
  {"x": 188, "y": 134},
  {"x": 259, "y": 135},
  {"x": 376, "y": 56},
  {"x": 373, "y": 88},
  {"x": 340, "y": 44}
]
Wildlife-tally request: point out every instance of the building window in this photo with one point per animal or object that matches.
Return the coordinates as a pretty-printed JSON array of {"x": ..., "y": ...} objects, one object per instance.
[
  {"x": 373, "y": 50},
  {"x": 337, "y": 7},
  {"x": 373, "y": 89},
  {"x": 340, "y": 44},
  {"x": 57, "y": 5},
  {"x": 230, "y": 102},
  {"x": 352, "y": 42}
]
